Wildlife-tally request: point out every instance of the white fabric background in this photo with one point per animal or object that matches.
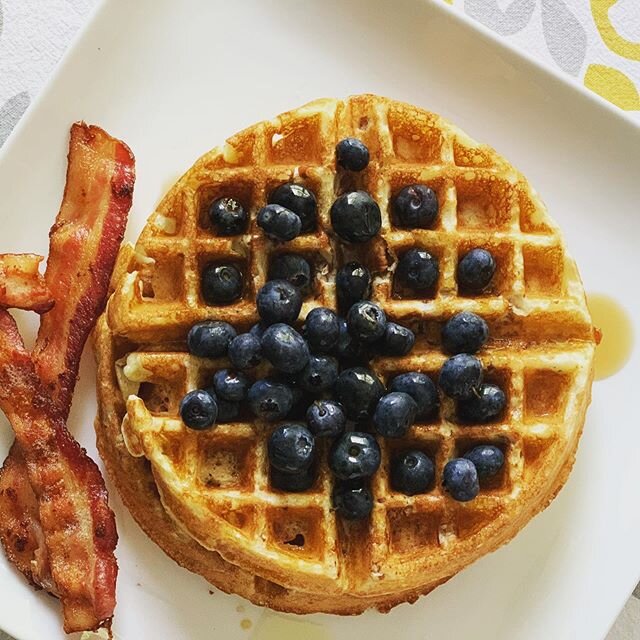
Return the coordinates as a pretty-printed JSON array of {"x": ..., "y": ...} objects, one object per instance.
[{"x": 34, "y": 34}]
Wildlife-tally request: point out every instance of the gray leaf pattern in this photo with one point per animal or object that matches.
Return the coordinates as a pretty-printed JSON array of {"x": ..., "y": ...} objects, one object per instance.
[
  {"x": 566, "y": 38},
  {"x": 10, "y": 112},
  {"x": 514, "y": 18}
]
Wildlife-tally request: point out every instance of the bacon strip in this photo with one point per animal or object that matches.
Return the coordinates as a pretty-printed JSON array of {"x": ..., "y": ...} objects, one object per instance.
[
  {"x": 21, "y": 285},
  {"x": 83, "y": 247}
]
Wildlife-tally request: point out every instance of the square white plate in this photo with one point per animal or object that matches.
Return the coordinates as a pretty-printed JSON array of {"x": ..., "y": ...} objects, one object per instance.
[{"x": 174, "y": 79}]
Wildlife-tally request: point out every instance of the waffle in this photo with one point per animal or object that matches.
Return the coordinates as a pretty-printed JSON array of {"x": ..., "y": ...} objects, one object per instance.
[{"x": 206, "y": 497}]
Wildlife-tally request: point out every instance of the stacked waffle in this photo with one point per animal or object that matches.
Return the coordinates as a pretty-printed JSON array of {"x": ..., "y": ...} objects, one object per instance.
[{"x": 208, "y": 497}]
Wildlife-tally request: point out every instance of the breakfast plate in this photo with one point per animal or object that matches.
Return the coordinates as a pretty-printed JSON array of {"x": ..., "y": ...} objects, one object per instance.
[{"x": 175, "y": 80}]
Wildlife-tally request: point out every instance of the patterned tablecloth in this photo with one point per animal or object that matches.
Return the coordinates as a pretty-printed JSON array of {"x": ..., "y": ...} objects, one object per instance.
[{"x": 595, "y": 41}]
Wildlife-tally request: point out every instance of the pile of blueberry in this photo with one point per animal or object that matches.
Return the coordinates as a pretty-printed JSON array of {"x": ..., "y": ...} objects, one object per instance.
[{"x": 321, "y": 373}]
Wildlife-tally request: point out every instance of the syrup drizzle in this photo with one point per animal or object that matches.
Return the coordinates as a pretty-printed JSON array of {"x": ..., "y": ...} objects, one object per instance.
[{"x": 617, "y": 339}]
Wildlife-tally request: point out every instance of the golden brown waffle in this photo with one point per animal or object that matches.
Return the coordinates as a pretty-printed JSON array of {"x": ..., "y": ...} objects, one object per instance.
[{"x": 226, "y": 520}]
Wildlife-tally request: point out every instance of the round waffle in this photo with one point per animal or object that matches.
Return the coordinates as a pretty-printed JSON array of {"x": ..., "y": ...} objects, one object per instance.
[{"x": 206, "y": 497}]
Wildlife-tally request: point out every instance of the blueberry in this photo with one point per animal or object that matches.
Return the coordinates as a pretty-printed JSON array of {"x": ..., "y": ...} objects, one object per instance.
[
  {"x": 228, "y": 216},
  {"x": 416, "y": 207},
  {"x": 418, "y": 270},
  {"x": 487, "y": 459},
  {"x": 320, "y": 374},
  {"x": 221, "y": 283},
  {"x": 465, "y": 332},
  {"x": 198, "y": 409},
  {"x": 258, "y": 330},
  {"x": 352, "y": 154},
  {"x": 421, "y": 388},
  {"x": 230, "y": 385},
  {"x": 270, "y": 400},
  {"x": 460, "y": 479},
  {"x": 326, "y": 418},
  {"x": 291, "y": 448},
  {"x": 321, "y": 329},
  {"x": 366, "y": 321},
  {"x": 486, "y": 404},
  {"x": 285, "y": 348},
  {"x": 279, "y": 223},
  {"x": 294, "y": 269},
  {"x": 292, "y": 482},
  {"x": 460, "y": 376},
  {"x": 412, "y": 473},
  {"x": 227, "y": 411},
  {"x": 397, "y": 340},
  {"x": 354, "y": 455},
  {"x": 353, "y": 283},
  {"x": 300, "y": 200},
  {"x": 245, "y": 352},
  {"x": 352, "y": 502},
  {"x": 210, "y": 339},
  {"x": 355, "y": 217},
  {"x": 475, "y": 270},
  {"x": 394, "y": 414},
  {"x": 278, "y": 301},
  {"x": 358, "y": 391},
  {"x": 348, "y": 348}
]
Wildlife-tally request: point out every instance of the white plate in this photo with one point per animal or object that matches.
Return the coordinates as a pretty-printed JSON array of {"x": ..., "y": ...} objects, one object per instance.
[{"x": 174, "y": 79}]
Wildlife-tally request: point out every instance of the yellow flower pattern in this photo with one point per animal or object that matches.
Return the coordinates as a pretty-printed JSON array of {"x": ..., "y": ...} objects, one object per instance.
[{"x": 580, "y": 37}]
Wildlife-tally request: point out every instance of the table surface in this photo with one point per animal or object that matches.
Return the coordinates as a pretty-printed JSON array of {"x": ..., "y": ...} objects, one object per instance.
[{"x": 596, "y": 42}]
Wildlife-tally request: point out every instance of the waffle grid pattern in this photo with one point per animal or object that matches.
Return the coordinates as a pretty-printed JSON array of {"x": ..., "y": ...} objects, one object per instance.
[{"x": 483, "y": 202}]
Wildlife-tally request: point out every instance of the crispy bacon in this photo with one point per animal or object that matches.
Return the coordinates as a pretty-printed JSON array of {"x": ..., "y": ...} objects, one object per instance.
[
  {"x": 84, "y": 243},
  {"x": 21, "y": 284}
]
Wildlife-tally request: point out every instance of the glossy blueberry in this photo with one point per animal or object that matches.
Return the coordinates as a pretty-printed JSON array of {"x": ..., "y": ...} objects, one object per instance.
[
  {"x": 412, "y": 473},
  {"x": 352, "y": 501},
  {"x": 394, "y": 414},
  {"x": 198, "y": 409},
  {"x": 326, "y": 418},
  {"x": 321, "y": 329},
  {"x": 245, "y": 352},
  {"x": 294, "y": 269},
  {"x": 320, "y": 374},
  {"x": 487, "y": 459},
  {"x": 278, "y": 301},
  {"x": 421, "y": 388},
  {"x": 464, "y": 332},
  {"x": 230, "y": 385},
  {"x": 279, "y": 223},
  {"x": 221, "y": 283},
  {"x": 418, "y": 270},
  {"x": 210, "y": 339},
  {"x": 460, "y": 479},
  {"x": 228, "y": 216},
  {"x": 353, "y": 283},
  {"x": 291, "y": 448},
  {"x": 397, "y": 340},
  {"x": 475, "y": 270},
  {"x": 358, "y": 391},
  {"x": 300, "y": 200},
  {"x": 285, "y": 348},
  {"x": 486, "y": 404},
  {"x": 270, "y": 400},
  {"x": 460, "y": 376},
  {"x": 366, "y": 321},
  {"x": 293, "y": 482},
  {"x": 354, "y": 455},
  {"x": 416, "y": 207},
  {"x": 355, "y": 217},
  {"x": 348, "y": 348},
  {"x": 352, "y": 154},
  {"x": 258, "y": 330}
]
